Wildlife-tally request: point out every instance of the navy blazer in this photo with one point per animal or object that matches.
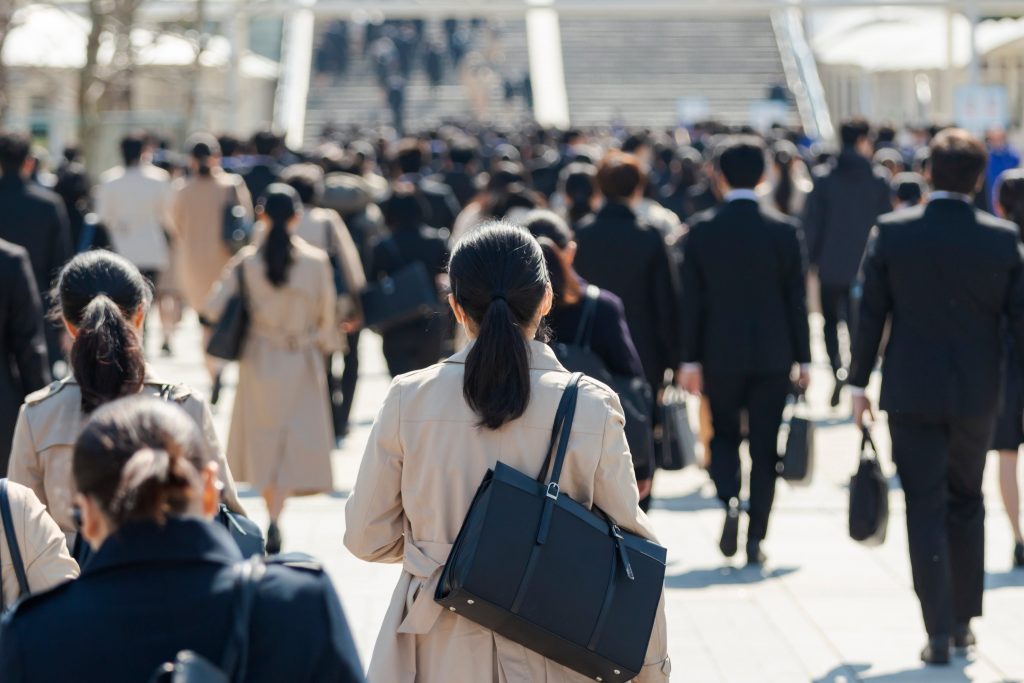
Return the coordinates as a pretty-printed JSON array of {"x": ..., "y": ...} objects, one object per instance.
[{"x": 152, "y": 591}]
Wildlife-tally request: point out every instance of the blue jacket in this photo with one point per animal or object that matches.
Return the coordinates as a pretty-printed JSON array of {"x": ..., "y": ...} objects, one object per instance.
[{"x": 151, "y": 591}]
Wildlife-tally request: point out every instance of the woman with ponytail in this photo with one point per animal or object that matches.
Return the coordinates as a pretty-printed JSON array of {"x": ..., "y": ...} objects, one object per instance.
[
  {"x": 439, "y": 431},
  {"x": 281, "y": 428},
  {"x": 162, "y": 578},
  {"x": 102, "y": 301},
  {"x": 1009, "y": 432}
]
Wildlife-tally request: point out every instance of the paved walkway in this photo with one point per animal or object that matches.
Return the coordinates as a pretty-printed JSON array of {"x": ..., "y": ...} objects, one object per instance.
[{"x": 824, "y": 610}]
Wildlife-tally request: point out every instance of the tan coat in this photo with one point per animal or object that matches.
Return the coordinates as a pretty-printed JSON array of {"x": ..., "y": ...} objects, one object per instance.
[
  {"x": 196, "y": 222},
  {"x": 44, "y": 553},
  {"x": 422, "y": 465},
  {"x": 324, "y": 229},
  {"x": 281, "y": 430},
  {"x": 45, "y": 434}
]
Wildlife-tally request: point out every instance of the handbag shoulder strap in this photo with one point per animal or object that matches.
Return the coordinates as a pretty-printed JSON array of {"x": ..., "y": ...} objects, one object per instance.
[
  {"x": 585, "y": 330},
  {"x": 560, "y": 430},
  {"x": 12, "y": 540},
  {"x": 236, "y": 656},
  {"x": 867, "y": 445}
]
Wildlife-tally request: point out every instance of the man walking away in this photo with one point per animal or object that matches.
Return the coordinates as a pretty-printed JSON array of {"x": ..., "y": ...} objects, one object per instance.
[
  {"x": 947, "y": 278},
  {"x": 744, "y": 328}
]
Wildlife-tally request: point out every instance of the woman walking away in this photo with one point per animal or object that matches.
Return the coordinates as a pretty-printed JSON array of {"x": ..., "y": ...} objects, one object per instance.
[
  {"x": 440, "y": 430},
  {"x": 165, "y": 579},
  {"x": 197, "y": 216},
  {"x": 281, "y": 433},
  {"x": 102, "y": 300},
  {"x": 1009, "y": 434}
]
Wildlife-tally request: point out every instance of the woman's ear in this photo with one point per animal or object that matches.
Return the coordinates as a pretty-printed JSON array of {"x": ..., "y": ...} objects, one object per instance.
[
  {"x": 548, "y": 301},
  {"x": 569, "y": 253},
  {"x": 72, "y": 329},
  {"x": 460, "y": 313},
  {"x": 139, "y": 318},
  {"x": 211, "y": 490},
  {"x": 94, "y": 527}
]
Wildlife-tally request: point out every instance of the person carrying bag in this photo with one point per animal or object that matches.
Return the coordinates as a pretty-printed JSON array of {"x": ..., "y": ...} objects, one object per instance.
[{"x": 869, "y": 496}]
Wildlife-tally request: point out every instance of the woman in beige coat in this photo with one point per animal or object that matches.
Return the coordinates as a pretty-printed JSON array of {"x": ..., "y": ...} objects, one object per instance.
[
  {"x": 440, "y": 429},
  {"x": 281, "y": 434},
  {"x": 196, "y": 224}
]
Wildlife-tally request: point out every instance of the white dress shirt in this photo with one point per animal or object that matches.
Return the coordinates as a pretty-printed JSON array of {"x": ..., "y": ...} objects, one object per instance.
[{"x": 132, "y": 203}]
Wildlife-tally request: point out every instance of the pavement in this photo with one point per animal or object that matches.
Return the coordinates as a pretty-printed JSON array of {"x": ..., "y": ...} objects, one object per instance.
[{"x": 824, "y": 609}]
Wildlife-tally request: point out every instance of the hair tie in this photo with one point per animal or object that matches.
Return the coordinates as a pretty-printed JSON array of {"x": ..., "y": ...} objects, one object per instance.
[{"x": 498, "y": 294}]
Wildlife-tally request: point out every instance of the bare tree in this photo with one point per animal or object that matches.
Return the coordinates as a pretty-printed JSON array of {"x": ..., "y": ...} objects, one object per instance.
[
  {"x": 7, "y": 9},
  {"x": 200, "y": 37}
]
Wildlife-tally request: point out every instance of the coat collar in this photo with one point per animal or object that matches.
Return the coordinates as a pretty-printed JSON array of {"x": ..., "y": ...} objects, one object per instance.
[
  {"x": 542, "y": 357},
  {"x": 179, "y": 539},
  {"x": 617, "y": 210}
]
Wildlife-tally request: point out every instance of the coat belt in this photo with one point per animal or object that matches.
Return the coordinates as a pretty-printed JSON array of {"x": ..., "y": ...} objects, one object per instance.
[{"x": 423, "y": 562}]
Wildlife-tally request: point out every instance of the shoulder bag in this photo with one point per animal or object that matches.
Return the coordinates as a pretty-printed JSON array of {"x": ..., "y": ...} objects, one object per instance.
[
  {"x": 634, "y": 392},
  {"x": 869, "y": 496},
  {"x": 537, "y": 567},
  {"x": 189, "y": 667},
  {"x": 12, "y": 545},
  {"x": 236, "y": 227},
  {"x": 332, "y": 249},
  {"x": 407, "y": 295},
  {"x": 228, "y": 338},
  {"x": 797, "y": 463}
]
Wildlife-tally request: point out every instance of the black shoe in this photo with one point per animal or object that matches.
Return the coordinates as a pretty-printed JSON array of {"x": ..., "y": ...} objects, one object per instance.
[
  {"x": 1018, "y": 555},
  {"x": 166, "y": 349},
  {"x": 837, "y": 393},
  {"x": 215, "y": 391},
  {"x": 963, "y": 637},
  {"x": 273, "y": 539},
  {"x": 937, "y": 651},
  {"x": 755, "y": 556},
  {"x": 730, "y": 529}
]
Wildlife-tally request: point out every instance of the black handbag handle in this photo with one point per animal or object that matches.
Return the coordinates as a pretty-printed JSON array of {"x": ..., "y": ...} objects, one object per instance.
[
  {"x": 585, "y": 330},
  {"x": 560, "y": 431},
  {"x": 236, "y": 655},
  {"x": 867, "y": 444},
  {"x": 12, "y": 540}
]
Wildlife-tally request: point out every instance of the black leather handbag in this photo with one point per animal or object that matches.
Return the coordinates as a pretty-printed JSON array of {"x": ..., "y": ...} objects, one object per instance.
[
  {"x": 634, "y": 392},
  {"x": 236, "y": 227},
  {"x": 540, "y": 569},
  {"x": 797, "y": 463},
  {"x": 189, "y": 667},
  {"x": 869, "y": 496},
  {"x": 246, "y": 533},
  {"x": 678, "y": 445},
  {"x": 12, "y": 547},
  {"x": 228, "y": 338},
  {"x": 402, "y": 297}
]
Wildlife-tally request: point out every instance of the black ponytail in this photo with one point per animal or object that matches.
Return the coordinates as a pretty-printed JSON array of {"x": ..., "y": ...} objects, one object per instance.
[
  {"x": 98, "y": 293},
  {"x": 499, "y": 278},
  {"x": 280, "y": 204}
]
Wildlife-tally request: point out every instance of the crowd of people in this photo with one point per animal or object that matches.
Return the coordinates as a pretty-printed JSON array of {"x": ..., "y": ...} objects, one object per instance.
[{"x": 651, "y": 258}]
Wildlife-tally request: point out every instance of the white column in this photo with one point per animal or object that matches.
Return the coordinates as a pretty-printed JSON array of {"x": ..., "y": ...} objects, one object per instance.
[
  {"x": 293, "y": 82},
  {"x": 239, "y": 37},
  {"x": 547, "y": 72}
]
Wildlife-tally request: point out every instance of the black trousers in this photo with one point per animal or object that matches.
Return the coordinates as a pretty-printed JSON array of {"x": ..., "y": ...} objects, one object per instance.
[
  {"x": 836, "y": 307},
  {"x": 346, "y": 385},
  {"x": 941, "y": 462},
  {"x": 763, "y": 397}
]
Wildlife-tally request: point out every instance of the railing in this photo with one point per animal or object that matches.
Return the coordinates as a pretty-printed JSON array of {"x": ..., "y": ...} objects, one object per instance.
[{"x": 802, "y": 73}]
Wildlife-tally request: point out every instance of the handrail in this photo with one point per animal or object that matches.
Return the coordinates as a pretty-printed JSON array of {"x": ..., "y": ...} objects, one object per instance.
[{"x": 802, "y": 76}]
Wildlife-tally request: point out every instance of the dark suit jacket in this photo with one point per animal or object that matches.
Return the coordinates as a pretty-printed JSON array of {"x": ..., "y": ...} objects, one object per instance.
[
  {"x": 744, "y": 299},
  {"x": 846, "y": 201},
  {"x": 259, "y": 177},
  {"x": 35, "y": 219},
  {"x": 619, "y": 253},
  {"x": 152, "y": 591},
  {"x": 23, "y": 364},
  {"x": 948, "y": 277}
]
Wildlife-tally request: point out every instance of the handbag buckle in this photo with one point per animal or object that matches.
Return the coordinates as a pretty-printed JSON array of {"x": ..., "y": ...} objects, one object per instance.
[
  {"x": 617, "y": 533},
  {"x": 552, "y": 491}
]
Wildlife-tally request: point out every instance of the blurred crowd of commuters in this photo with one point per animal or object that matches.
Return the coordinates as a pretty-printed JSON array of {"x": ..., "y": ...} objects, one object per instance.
[{"x": 696, "y": 246}]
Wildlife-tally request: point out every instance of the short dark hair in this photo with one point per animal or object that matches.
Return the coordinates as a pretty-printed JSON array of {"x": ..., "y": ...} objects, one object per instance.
[
  {"x": 957, "y": 160},
  {"x": 908, "y": 187},
  {"x": 14, "y": 149},
  {"x": 410, "y": 156},
  {"x": 740, "y": 160},
  {"x": 619, "y": 175},
  {"x": 462, "y": 151},
  {"x": 131, "y": 148},
  {"x": 852, "y": 131},
  {"x": 265, "y": 143},
  {"x": 306, "y": 179}
]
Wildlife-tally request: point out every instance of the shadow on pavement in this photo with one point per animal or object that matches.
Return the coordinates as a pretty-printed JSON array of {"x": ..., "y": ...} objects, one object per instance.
[
  {"x": 691, "y": 502},
  {"x": 249, "y": 492},
  {"x": 1011, "y": 579},
  {"x": 696, "y": 579},
  {"x": 854, "y": 673}
]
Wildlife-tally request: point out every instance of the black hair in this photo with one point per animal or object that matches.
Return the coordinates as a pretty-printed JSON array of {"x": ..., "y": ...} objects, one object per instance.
[
  {"x": 131, "y": 148},
  {"x": 139, "y": 458},
  {"x": 265, "y": 143},
  {"x": 98, "y": 292},
  {"x": 280, "y": 203},
  {"x": 740, "y": 160},
  {"x": 579, "y": 184},
  {"x": 462, "y": 151},
  {"x": 852, "y": 131},
  {"x": 307, "y": 180},
  {"x": 908, "y": 188},
  {"x": 410, "y": 157},
  {"x": 1010, "y": 195},
  {"x": 957, "y": 161},
  {"x": 405, "y": 209},
  {"x": 14, "y": 150},
  {"x": 203, "y": 148},
  {"x": 554, "y": 237},
  {"x": 499, "y": 278}
]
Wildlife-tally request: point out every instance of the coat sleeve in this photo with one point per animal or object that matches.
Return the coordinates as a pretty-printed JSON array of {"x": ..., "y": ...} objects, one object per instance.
[
  {"x": 665, "y": 297},
  {"x": 813, "y": 220},
  {"x": 61, "y": 249},
  {"x": 875, "y": 306},
  {"x": 43, "y": 544},
  {"x": 24, "y": 467},
  {"x": 327, "y": 326},
  {"x": 615, "y": 492},
  {"x": 198, "y": 409},
  {"x": 796, "y": 296},
  {"x": 374, "y": 516},
  {"x": 1015, "y": 306},
  {"x": 693, "y": 299},
  {"x": 25, "y": 332},
  {"x": 222, "y": 290}
]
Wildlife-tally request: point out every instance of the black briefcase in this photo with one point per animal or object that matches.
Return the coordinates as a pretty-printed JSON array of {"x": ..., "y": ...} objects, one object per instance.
[
  {"x": 797, "y": 463},
  {"x": 538, "y": 568},
  {"x": 678, "y": 445},
  {"x": 231, "y": 330},
  {"x": 405, "y": 296},
  {"x": 869, "y": 496}
]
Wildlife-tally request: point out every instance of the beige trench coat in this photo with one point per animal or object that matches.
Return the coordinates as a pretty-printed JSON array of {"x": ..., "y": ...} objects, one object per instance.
[
  {"x": 44, "y": 552},
  {"x": 281, "y": 427},
  {"x": 422, "y": 465},
  {"x": 44, "y": 438},
  {"x": 324, "y": 229},
  {"x": 196, "y": 223}
]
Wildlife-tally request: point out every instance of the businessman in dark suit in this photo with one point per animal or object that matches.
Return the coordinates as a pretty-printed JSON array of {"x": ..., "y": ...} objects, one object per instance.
[
  {"x": 948, "y": 278},
  {"x": 744, "y": 326}
]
